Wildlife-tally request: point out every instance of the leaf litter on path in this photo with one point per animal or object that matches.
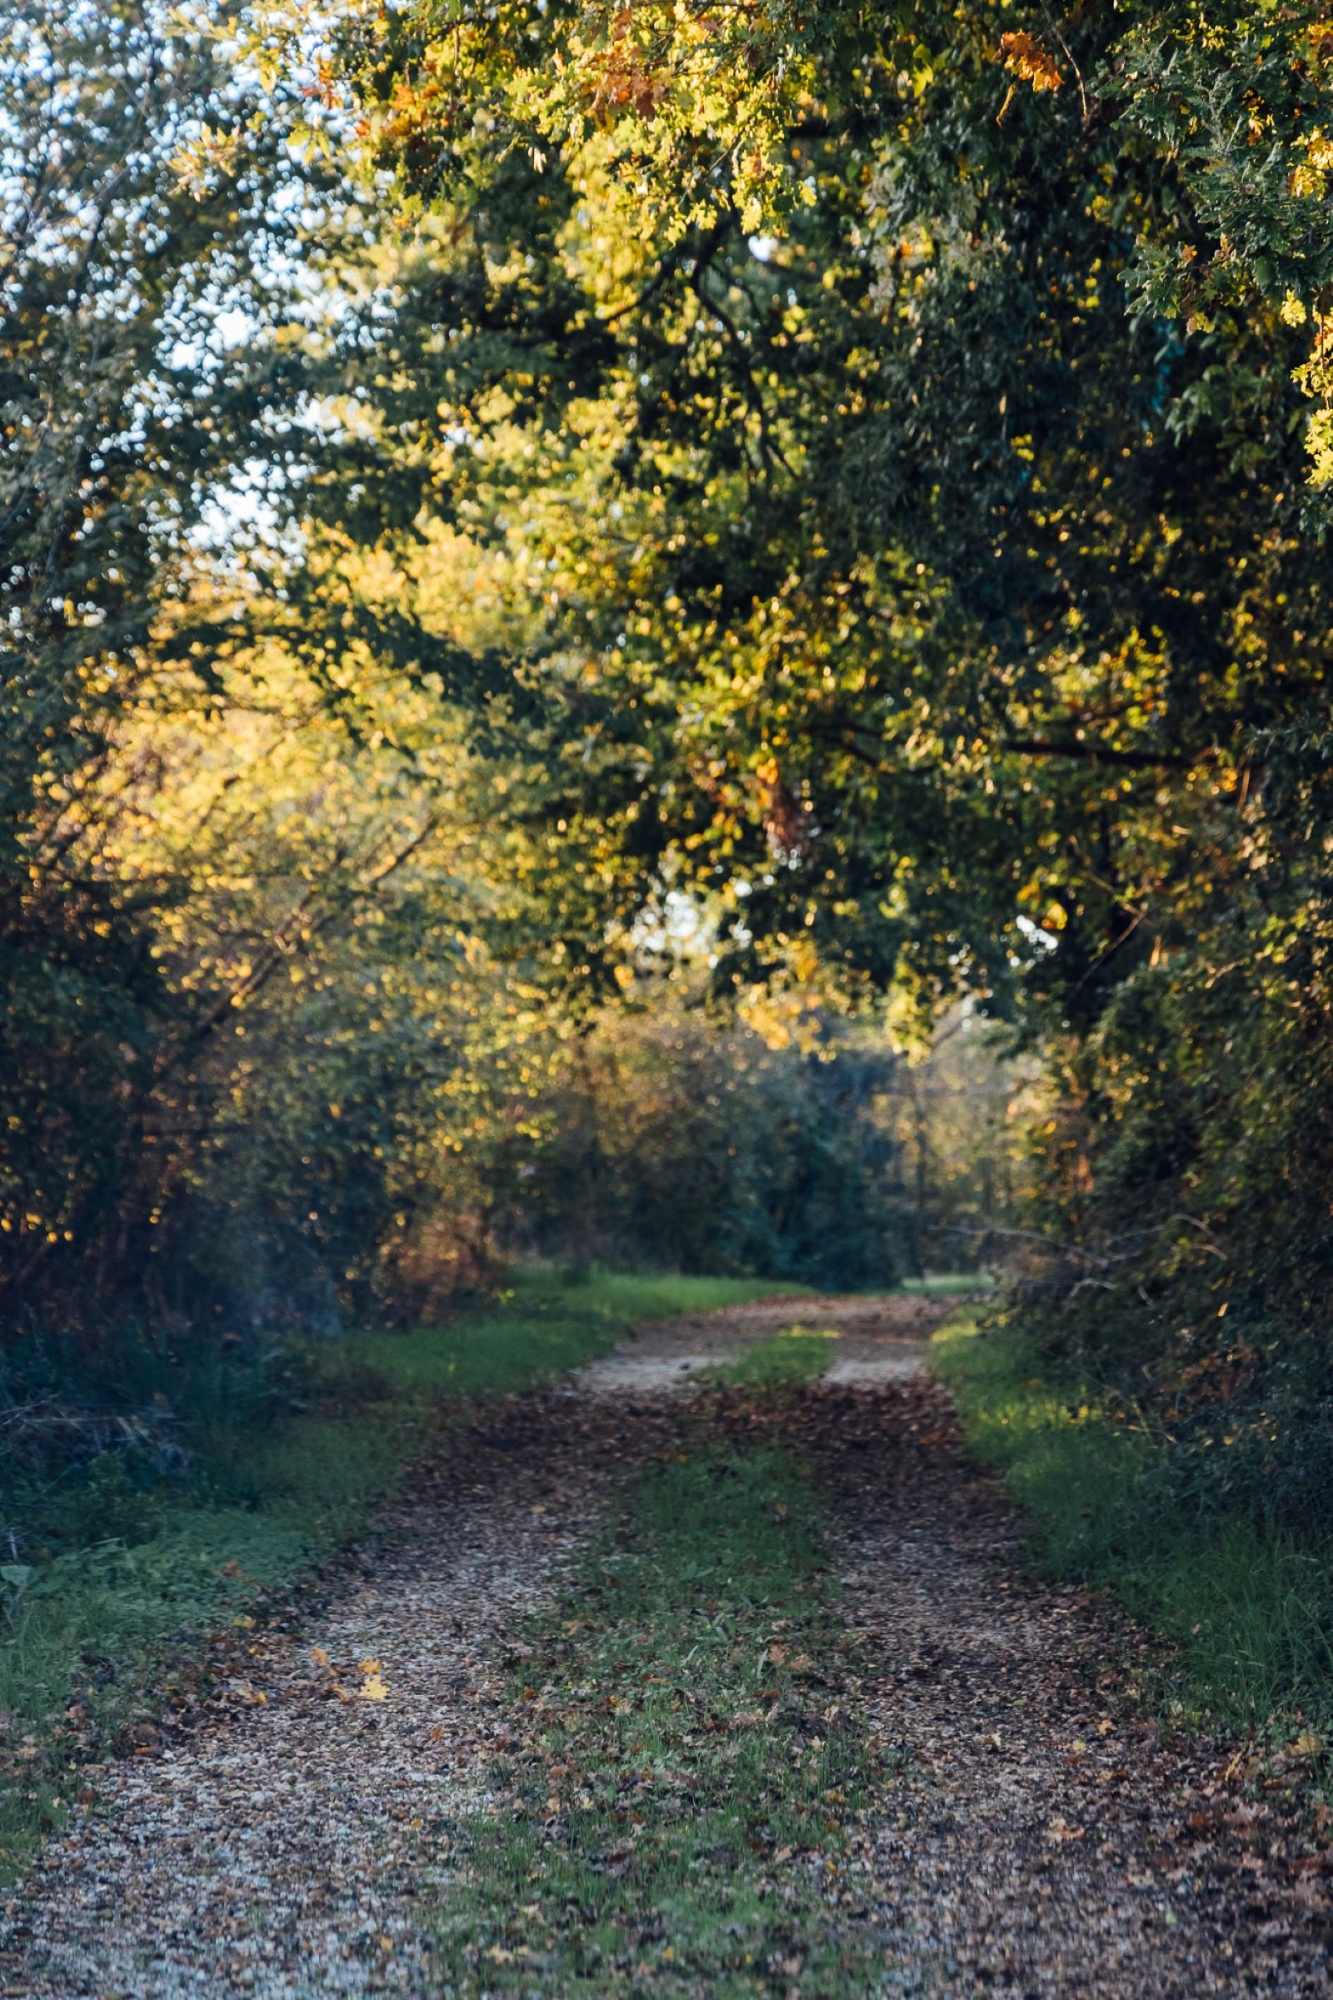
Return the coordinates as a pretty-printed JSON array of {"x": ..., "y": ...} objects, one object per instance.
[{"x": 1007, "y": 1821}]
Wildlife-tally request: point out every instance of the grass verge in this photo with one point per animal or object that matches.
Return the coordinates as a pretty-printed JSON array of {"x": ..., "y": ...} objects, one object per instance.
[
  {"x": 674, "y": 1811},
  {"x": 1246, "y": 1605},
  {"x": 118, "y": 1562}
]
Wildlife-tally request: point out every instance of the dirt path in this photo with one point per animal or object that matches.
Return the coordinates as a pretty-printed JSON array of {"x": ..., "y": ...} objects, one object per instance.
[
  {"x": 284, "y": 1839},
  {"x": 278, "y": 1839},
  {"x": 874, "y": 1341},
  {"x": 1042, "y": 1837}
]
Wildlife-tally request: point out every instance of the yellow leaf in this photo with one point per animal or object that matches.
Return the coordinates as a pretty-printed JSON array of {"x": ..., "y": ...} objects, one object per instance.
[
  {"x": 372, "y": 1686},
  {"x": 1024, "y": 56}
]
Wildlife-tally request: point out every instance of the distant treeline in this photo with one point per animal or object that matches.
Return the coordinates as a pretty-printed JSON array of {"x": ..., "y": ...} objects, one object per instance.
[{"x": 676, "y": 1146}]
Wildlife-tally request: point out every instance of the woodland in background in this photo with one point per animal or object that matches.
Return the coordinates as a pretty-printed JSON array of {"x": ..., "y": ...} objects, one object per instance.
[
  {"x": 516, "y": 519},
  {"x": 674, "y": 1145}
]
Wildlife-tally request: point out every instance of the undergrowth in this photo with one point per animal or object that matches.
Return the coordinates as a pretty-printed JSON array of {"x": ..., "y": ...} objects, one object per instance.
[
  {"x": 675, "y": 1810},
  {"x": 215, "y": 1483},
  {"x": 1245, "y": 1601}
]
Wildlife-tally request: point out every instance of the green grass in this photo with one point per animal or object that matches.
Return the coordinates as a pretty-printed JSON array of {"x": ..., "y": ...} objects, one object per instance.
[
  {"x": 634, "y": 1297},
  {"x": 112, "y": 1568},
  {"x": 797, "y": 1355},
  {"x": 946, "y": 1284},
  {"x": 1246, "y": 1606},
  {"x": 674, "y": 1806}
]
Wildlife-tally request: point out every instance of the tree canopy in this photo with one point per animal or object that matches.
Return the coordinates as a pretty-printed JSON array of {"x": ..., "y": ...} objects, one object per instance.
[{"x": 909, "y": 431}]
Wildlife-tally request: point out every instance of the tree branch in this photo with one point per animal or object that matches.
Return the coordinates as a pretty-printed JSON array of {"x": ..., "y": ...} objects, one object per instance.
[{"x": 1104, "y": 753}]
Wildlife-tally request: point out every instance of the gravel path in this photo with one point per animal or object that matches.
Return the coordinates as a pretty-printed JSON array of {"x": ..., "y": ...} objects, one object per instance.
[
  {"x": 279, "y": 1844},
  {"x": 1041, "y": 1836},
  {"x": 1033, "y": 1837}
]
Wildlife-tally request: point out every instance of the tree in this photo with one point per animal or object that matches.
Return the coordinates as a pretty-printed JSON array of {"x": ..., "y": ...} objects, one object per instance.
[
  {"x": 904, "y": 567},
  {"x": 899, "y": 425}
]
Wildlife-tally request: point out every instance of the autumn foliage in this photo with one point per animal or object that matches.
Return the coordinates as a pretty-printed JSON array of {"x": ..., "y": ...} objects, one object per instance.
[{"x": 810, "y": 516}]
